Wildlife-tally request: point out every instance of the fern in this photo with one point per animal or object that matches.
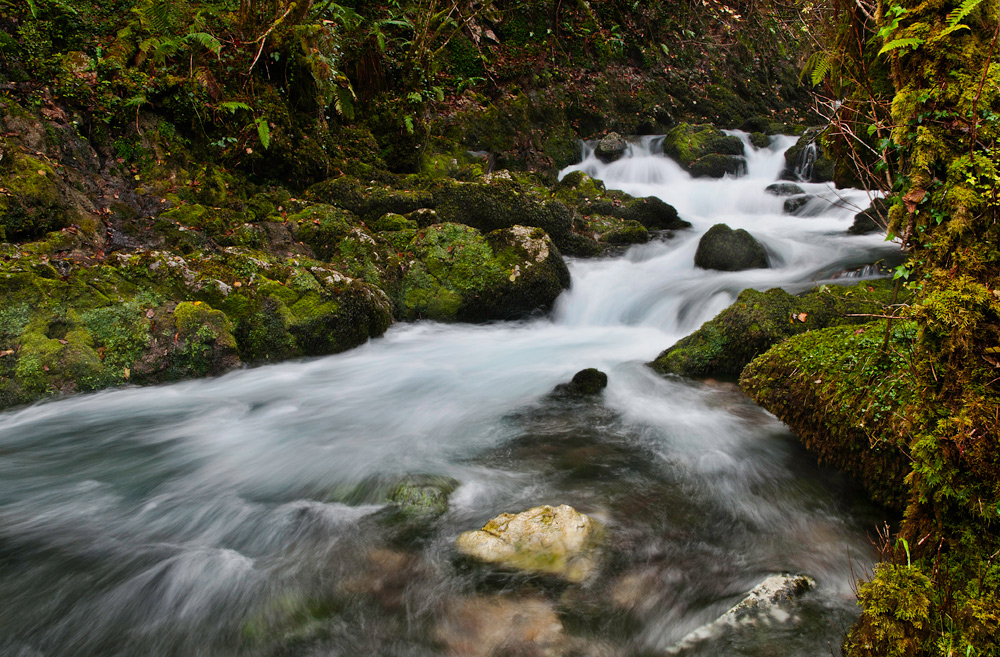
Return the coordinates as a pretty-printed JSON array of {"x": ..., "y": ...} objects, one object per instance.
[
  {"x": 206, "y": 40},
  {"x": 264, "y": 132},
  {"x": 232, "y": 105},
  {"x": 33, "y": 8},
  {"x": 961, "y": 12},
  {"x": 818, "y": 66},
  {"x": 896, "y": 44}
]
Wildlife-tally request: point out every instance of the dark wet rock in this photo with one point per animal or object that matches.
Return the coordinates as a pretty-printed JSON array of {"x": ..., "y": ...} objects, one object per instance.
[
  {"x": 796, "y": 204},
  {"x": 558, "y": 541},
  {"x": 458, "y": 274},
  {"x": 758, "y": 320},
  {"x": 586, "y": 382},
  {"x": 610, "y": 147},
  {"x": 725, "y": 249},
  {"x": 807, "y": 161},
  {"x": 784, "y": 189},
  {"x": 704, "y": 151},
  {"x": 651, "y": 212},
  {"x": 872, "y": 220}
]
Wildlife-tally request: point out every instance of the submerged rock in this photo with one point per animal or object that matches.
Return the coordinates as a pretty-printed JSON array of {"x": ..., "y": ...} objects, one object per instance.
[
  {"x": 763, "y": 603},
  {"x": 557, "y": 541},
  {"x": 784, "y": 189},
  {"x": 611, "y": 147},
  {"x": 423, "y": 494},
  {"x": 725, "y": 249},
  {"x": 796, "y": 204},
  {"x": 501, "y": 625},
  {"x": 585, "y": 383}
]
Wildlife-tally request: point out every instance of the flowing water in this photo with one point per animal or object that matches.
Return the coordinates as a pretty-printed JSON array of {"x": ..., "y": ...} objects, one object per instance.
[{"x": 248, "y": 514}]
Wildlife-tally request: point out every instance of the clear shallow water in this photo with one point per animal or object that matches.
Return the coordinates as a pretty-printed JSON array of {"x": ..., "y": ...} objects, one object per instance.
[{"x": 247, "y": 514}]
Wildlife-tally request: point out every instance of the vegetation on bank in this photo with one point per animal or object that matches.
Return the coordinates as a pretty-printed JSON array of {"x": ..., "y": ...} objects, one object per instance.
[{"x": 921, "y": 121}]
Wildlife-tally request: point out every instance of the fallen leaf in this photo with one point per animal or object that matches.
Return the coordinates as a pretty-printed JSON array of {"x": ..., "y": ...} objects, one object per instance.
[
  {"x": 150, "y": 313},
  {"x": 912, "y": 198},
  {"x": 802, "y": 316},
  {"x": 6, "y": 352},
  {"x": 61, "y": 341},
  {"x": 41, "y": 172},
  {"x": 818, "y": 381},
  {"x": 127, "y": 373}
]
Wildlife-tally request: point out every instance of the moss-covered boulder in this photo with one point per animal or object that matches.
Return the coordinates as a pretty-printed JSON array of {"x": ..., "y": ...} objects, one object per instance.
[
  {"x": 368, "y": 200},
  {"x": 501, "y": 202},
  {"x": 549, "y": 540},
  {"x": 30, "y": 201},
  {"x": 847, "y": 414},
  {"x": 456, "y": 273},
  {"x": 725, "y": 249},
  {"x": 651, "y": 212},
  {"x": 807, "y": 161},
  {"x": 704, "y": 151},
  {"x": 611, "y": 230},
  {"x": 585, "y": 383},
  {"x": 756, "y": 321}
]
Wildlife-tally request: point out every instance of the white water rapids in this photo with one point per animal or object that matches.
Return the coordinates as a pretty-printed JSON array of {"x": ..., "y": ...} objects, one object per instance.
[{"x": 247, "y": 514}]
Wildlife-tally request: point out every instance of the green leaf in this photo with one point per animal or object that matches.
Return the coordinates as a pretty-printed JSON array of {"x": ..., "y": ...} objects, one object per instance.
[
  {"x": 408, "y": 122},
  {"x": 264, "y": 132},
  {"x": 33, "y": 8}
]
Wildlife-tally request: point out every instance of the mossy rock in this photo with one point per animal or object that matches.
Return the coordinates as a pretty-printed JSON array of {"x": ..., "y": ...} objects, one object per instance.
[
  {"x": 843, "y": 391},
  {"x": 322, "y": 227},
  {"x": 715, "y": 165},
  {"x": 759, "y": 140},
  {"x": 795, "y": 205},
  {"x": 30, "y": 203},
  {"x": 577, "y": 187},
  {"x": 725, "y": 249},
  {"x": 423, "y": 495},
  {"x": 621, "y": 232},
  {"x": 758, "y": 320},
  {"x": 585, "y": 383},
  {"x": 499, "y": 203},
  {"x": 455, "y": 273},
  {"x": 610, "y": 147},
  {"x": 651, "y": 212},
  {"x": 368, "y": 201},
  {"x": 689, "y": 144}
]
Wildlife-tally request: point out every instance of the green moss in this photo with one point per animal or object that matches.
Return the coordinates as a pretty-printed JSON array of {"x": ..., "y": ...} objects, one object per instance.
[
  {"x": 30, "y": 205},
  {"x": 758, "y": 320},
  {"x": 688, "y": 143}
]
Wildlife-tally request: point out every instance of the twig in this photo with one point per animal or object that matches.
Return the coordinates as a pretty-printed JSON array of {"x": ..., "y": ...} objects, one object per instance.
[{"x": 263, "y": 38}]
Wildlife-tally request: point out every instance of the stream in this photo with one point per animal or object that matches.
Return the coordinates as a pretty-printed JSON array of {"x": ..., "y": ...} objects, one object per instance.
[{"x": 248, "y": 514}]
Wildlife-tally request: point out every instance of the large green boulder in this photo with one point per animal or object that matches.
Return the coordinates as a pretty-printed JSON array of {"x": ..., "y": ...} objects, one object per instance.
[
  {"x": 704, "y": 150},
  {"x": 455, "y": 273},
  {"x": 725, "y": 249},
  {"x": 756, "y": 321}
]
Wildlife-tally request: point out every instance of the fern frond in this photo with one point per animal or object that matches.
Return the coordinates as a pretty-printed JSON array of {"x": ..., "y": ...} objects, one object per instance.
[
  {"x": 961, "y": 12},
  {"x": 232, "y": 105},
  {"x": 818, "y": 66},
  {"x": 206, "y": 40},
  {"x": 948, "y": 30},
  {"x": 896, "y": 44},
  {"x": 264, "y": 132}
]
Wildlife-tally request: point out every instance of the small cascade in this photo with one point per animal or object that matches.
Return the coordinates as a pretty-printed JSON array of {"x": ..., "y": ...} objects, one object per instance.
[{"x": 807, "y": 159}]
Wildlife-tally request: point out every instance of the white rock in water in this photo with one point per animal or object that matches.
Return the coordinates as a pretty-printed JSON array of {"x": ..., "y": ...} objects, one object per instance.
[
  {"x": 762, "y": 602},
  {"x": 554, "y": 540}
]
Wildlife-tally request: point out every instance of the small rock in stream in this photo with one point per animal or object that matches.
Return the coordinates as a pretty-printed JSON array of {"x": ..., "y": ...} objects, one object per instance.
[
  {"x": 611, "y": 147},
  {"x": 763, "y": 602},
  {"x": 584, "y": 383}
]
